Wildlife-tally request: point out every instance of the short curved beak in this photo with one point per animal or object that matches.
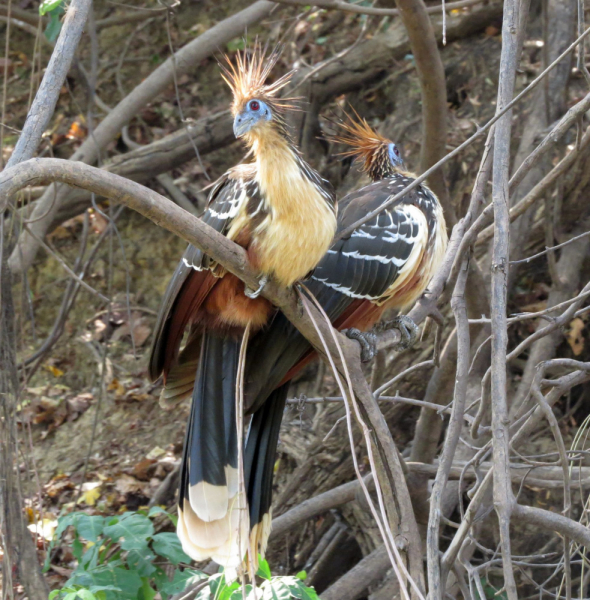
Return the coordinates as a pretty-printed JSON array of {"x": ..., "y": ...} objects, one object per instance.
[{"x": 243, "y": 123}]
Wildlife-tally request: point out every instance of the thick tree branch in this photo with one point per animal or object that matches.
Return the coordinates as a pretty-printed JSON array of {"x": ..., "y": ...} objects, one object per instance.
[
  {"x": 503, "y": 497},
  {"x": 550, "y": 521}
]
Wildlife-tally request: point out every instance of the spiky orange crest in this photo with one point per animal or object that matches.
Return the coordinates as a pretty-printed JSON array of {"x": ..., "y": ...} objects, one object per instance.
[
  {"x": 366, "y": 145},
  {"x": 247, "y": 78}
]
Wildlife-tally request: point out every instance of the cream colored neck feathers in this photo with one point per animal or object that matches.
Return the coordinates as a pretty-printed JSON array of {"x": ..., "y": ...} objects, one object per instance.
[{"x": 300, "y": 225}]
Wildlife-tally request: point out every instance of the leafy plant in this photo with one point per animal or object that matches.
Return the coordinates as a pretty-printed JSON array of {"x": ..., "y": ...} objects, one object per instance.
[
  {"x": 122, "y": 558},
  {"x": 271, "y": 588},
  {"x": 117, "y": 558}
]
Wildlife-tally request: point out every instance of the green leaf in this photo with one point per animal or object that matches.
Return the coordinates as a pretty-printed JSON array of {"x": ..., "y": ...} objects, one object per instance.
[
  {"x": 95, "y": 589},
  {"x": 113, "y": 577},
  {"x": 168, "y": 545},
  {"x": 302, "y": 575},
  {"x": 90, "y": 558},
  {"x": 48, "y": 5},
  {"x": 146, "y": 592},
  {"x": 85, "y": 594},
  {"x": 227, "y": 591},
  {"x": 180, "y": 581},
  {"x": 216, "y": 582},
  {"x": 53, "y": 594},
  {"x": 77, "y": 548},
  {"x": 308, "y": 593},
  {"x": 132, "y": 531},
  {"x": 321, "y": 40},
  {"x": 156, "y": 510},
  {"x": 90, "y": 528},
  {"x": 263, "y": 568},
  {"x": 141, "y": 562},
  {"x": 237, "y": 594},
  {"x": 54, "y": 26},
  {"x": 302, "y": 592},
  {"x": 276, "y": 589}
]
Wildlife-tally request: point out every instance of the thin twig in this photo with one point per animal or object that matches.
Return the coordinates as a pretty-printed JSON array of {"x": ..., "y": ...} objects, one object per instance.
[{"x": 551, "y": 249}]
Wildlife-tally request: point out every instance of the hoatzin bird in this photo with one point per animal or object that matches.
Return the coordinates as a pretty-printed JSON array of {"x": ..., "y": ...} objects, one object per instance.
[
  {"x": 284, "y": 214},
  {"x": 385, "y": 263}
]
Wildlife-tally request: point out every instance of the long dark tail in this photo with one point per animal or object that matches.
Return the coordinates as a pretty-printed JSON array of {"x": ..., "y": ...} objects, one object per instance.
[
  {"x": 209, "y": 505},
  {"x": 259, "y": 461}
]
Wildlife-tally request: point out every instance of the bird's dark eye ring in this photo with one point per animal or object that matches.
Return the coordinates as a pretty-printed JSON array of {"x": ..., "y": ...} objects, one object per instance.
[
  {"x": 396, "y": 150},
  {"x": 254, "y": 105}
]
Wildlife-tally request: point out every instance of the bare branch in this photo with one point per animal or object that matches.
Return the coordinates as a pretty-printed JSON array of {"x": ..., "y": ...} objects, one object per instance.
[
  {"x": 551, "y": 521},
  {"x": 369, "y": 10},
  {"x": 453, "y": 432},
  {"x": 503, "y": 497}
]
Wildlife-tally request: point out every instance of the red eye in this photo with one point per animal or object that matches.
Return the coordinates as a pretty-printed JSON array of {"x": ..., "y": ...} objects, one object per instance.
[
  {"x": 396, "y": 151},
  {"x": 254, "y": 105}
]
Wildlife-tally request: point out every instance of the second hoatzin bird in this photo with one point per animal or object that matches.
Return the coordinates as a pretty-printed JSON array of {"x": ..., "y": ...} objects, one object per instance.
[
  {"x": 385, "y": 263},
  {"x": 284, "y": 214}
]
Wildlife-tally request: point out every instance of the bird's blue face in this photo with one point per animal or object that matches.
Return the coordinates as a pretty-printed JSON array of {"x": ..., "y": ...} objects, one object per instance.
[
  {"x": 394, "y": 155},
  {"x": 255, "y": 113}
]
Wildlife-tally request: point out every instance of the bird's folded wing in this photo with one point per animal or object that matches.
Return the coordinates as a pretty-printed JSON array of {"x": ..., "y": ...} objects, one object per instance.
[{"x": 192, "y": 281}]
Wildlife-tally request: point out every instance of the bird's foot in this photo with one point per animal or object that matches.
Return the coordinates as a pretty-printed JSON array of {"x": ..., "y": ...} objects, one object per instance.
[
  {"x": 367, "y": 340},
  {"x": 253, "y": 294},
  {"x": 407, "y": 328}
]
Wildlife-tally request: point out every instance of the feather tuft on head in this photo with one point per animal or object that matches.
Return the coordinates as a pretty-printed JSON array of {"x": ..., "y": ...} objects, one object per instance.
[
  {"x": 365, "y": 144},
  {"x": 247, "y": 78}
]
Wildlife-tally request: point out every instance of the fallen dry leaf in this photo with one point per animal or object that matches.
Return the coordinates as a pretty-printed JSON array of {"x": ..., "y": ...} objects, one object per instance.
[
  {"x": 54, "y": 370},
  {"x": 115, "y": 386},
  {"x": 90, "y": 492},
  {"x": 574, "y": 336},
  {"x": 129, "y": 485},
  {"x": 143, "y": 468},
  {"x": 57, "y": 485}
]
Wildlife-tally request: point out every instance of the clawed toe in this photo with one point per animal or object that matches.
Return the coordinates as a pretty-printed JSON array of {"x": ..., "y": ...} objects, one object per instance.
[
  {"x": 367, "y": 340},
  {"x": 253, "y": 294},
  {"x": 407, "y": 328}
]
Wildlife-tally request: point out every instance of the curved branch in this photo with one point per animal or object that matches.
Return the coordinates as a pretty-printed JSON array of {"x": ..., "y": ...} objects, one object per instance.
[
  {"x": 551, "y": 521},
  {"x": 431, "y": 73}
]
